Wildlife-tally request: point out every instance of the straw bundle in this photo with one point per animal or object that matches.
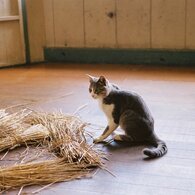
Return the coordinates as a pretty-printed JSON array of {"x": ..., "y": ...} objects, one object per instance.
[
  {"x": 32, "y": 135},
  {"x": 62, "y": 135},
  {"x": 66, "y": 138},
  {"x": 15, "y": 132},
  {"x": 42, "y": 173},
  {"x": 9, "y": 123}
]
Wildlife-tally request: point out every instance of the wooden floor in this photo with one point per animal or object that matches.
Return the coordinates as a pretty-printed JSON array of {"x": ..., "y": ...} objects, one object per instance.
[{"x": 170, "y": 94}]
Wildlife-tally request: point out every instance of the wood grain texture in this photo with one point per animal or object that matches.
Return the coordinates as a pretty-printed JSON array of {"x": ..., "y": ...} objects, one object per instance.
[
  {"x": 168, "y": 24},
  {"x": 140, "y": 24},
  {"x": 8, "y": 18},
  {"x": 100, "y": 28},
  {"x": 8, "y": 7},
  {"x": 49, "y": 22},
  {"x": 11, "y": 37},
  {"x": 133, "y": 23},
  {"x": 11, "y": 7},
  {"x": 169, "y": 93},
  {"x": 68, "y": 23},
  {"x": 13, "y": 41},
  {"x": 190, "y": 24},
  {"x": 2, "y": 10},
  {"x": 36, "y": 29},
  {"x": 3, "y": 56}
]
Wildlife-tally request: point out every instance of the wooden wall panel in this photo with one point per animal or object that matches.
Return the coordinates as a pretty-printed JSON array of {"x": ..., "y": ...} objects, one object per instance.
[
  {"x": 36, "y": 29},
  {"x": 14, "y": 47},
  {"x": 100, "y": 29},
  {"x": 168, "y": 24},
  {"x": 2, "y": 10},
  {"x": 158, "y": 24},
  {"x": 11, "y": 39},
  {"x": 8, "y": 7},
  {"x": 190, "y": 24},
  {"x": 133, "y": 23},
  {"x": 68, "y": 23},
  {"x": 49, "y": 22},
  {"x": 3, "y": 57},
  {"x": 11, "y": 7}
]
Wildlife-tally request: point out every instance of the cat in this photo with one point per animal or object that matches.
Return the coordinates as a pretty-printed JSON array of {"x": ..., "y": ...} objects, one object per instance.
[{"x": 129, "y": 111}]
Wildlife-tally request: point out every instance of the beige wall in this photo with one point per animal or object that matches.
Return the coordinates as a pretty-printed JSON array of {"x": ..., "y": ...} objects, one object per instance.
[
  {"x": 11, "y": 33},
  {"x": 12, "y": 48},
  {"x": 167, "y": 24},
  {"x": 36, "y": 29},
  {"x": 164, "y": 24}
]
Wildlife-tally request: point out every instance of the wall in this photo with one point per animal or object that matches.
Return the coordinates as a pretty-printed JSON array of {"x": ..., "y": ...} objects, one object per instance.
[
  {"x": 11, "y": 33},
  {"x": 142, "y": 24},
  {"x": 36, "y": 29},
  {"x": 162, "y": 24}
]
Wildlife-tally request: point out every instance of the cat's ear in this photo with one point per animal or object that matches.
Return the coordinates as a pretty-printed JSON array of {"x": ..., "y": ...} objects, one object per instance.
[
  {"x": 91, "y": 78},
  {"x": 102, "y": 80}
]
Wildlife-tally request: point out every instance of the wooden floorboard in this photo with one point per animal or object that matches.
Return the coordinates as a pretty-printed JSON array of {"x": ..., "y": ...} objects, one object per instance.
[{"x": 170, "y": 94}]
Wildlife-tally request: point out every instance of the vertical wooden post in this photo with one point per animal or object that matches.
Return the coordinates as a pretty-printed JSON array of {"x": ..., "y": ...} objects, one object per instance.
[{"x": 24, "y": 52}]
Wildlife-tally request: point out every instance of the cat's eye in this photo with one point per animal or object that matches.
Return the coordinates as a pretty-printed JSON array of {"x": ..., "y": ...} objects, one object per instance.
[
  {"x": 90, "y": 90},
  {"x": 97, "y": 91}
]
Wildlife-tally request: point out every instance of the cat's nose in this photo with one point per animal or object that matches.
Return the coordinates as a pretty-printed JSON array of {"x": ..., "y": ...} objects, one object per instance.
[{"x": 94, "y": 96}]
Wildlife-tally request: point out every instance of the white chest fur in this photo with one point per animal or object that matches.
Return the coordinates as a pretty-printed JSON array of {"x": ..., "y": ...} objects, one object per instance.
[{"x": 107, "y": 109}]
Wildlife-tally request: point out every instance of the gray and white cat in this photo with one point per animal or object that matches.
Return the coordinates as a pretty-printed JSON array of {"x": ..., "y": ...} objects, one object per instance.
[{"x": 129, "y": 111}]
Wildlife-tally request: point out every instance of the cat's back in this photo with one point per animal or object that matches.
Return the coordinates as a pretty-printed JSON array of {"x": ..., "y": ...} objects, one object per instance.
[
  {"x": 124, "y": 100},
  {"x": 123, "y": 96}
]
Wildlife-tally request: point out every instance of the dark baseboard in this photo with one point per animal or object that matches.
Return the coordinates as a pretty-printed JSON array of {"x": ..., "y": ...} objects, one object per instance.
[{"x": 120, "y": 56}]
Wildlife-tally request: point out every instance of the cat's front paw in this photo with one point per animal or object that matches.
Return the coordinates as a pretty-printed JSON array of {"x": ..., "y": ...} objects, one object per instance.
[{"x": 97, "y": 140}]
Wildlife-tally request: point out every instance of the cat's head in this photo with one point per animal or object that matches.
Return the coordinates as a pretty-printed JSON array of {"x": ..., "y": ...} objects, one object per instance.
[{"x": 98, "y": 87}]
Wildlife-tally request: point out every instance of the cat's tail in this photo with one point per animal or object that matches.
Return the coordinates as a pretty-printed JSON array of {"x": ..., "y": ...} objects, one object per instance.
[{"x": 160, "y": 150}]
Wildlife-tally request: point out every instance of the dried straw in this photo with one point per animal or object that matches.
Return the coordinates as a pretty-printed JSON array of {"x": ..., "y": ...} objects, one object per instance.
[
  {"x": 32, "y": 135},
  {"x": 14, "y": 131},
  {"x": 42, "y": 173},
  {"x": 9, "y": 123},
  {"x": 66, "y": 137},
  {"x": 62, "y": 135}
]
